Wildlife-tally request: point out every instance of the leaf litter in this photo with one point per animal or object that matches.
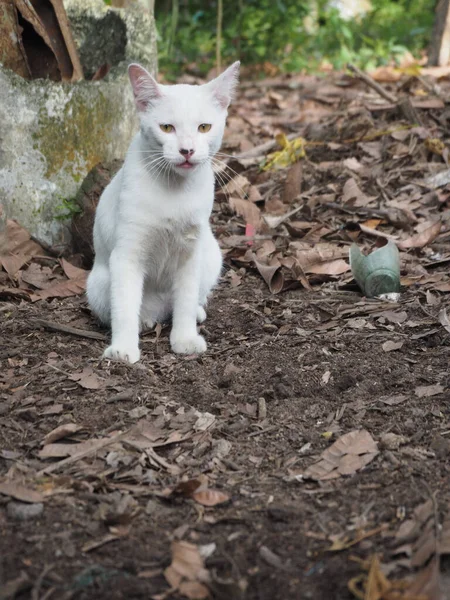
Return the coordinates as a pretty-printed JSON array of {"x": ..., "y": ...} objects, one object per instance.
[{"x": 349, "y": 168}]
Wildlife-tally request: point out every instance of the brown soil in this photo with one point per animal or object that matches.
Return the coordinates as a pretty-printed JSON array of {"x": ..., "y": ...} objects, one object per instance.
[{"x": 248, "y": 358}]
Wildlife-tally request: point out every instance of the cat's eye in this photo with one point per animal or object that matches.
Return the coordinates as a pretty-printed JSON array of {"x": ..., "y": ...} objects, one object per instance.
[
  {"x": 204, "y": 127},
  {"x": 167, "y": 128}
]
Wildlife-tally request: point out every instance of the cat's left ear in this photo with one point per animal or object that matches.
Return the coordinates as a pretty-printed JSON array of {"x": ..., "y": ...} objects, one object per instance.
[
  {"x": 145, "y": 87},
  {"x": 224, "y": 86}
]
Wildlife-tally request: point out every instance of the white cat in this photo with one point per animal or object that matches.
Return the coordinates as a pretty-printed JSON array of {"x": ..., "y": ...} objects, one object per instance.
[{"x": 155, "y": 254}]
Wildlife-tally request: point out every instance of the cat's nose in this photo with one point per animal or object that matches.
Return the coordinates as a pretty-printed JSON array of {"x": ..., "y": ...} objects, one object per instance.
[{"x": 187, "y": 153}]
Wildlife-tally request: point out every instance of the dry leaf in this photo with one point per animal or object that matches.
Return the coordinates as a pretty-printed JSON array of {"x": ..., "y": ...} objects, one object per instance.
[
  {"x": 210, "y": 497},
  {"x": 389, "y": 346},
  {"x": 88, "y": 379},
  {"x": 353, "y": 195},
  {"x": 292, "y": 151},
  {"x": 73, "y": 272},
  {"x": 238, "y": 186},
  {"x": 20, "y": 492},
  {"x": 187, "y": 572},
  {"x": 444, "y": 320},
  {"x": 18, "y": 249},
  {"x": 426, "y": 391},
  {"x": 61, "y": 432},
  {"x": 348, "y": 454},
  {"x": 246, "y": 209},
  {"x": 62, "y": 289},
  {"x": 271, "y": 274},
  {"x": 293, "y": 185},
  {"x": 422, "y": 239}
]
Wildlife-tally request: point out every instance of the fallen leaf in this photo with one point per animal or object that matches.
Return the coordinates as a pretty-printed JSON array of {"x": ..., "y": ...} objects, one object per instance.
[
  {"x": 444, "y": 320},
  {"x": 237, "y": 186},
  {"x": 88, "y": 379},
  {"x": 63, "y": 289},
  {"x": 246, "y": 209},
  {"x": 350, "y": 453},
  {"x": 61, "y": 432},
  {"x": 210, "y": 497},
  {"x": 271, "y": 274},
  {"x": 20, "y": 492},
  {"x": 352, "y": 194},
  {"x": 187, "y": 574},
  {"x": 423, "y": 238},
  {"x": 389, "y": 346},
  {"x": 427, "y": 584},
  {"x": 73, "y": 272},
  {"x": 19, "y": 248},
  {"x": 393, "y": 400},
  {"x": 292, "y": 151},
  {"x": 426, "y": 391},
  {"x": 293, "y": 185},
  {"x": 38, "y": 276}
]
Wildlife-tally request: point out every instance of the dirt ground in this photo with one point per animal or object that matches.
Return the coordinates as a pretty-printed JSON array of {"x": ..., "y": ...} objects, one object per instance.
[
  {"x": 248, "y": 359},
  {"x": 110, "y": 473}
]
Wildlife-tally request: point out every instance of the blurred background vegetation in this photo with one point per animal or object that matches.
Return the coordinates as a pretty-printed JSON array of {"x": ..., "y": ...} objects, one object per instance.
[{"x": 290, "y": 35}]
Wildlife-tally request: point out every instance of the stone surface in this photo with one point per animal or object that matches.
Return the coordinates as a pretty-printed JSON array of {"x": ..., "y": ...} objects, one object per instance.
[
  {"x": 53, "y": 134},
  {"x": 107, "y": 35},
  {"x": 22, "y": 511}
]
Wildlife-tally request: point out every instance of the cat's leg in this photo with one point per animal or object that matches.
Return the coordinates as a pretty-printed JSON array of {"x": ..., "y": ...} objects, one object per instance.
[
  {"x": 155, "y": 308},
  {"x": 210, "y": 270},
  {"x": 201, "y": 314},
  {"x": 127, "y": 282},
  {"x": 98, "y": 292},
  {"x": 184, "y": 338}
]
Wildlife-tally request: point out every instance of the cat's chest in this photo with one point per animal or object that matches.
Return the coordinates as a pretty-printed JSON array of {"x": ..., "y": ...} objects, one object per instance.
[{"x": 171, "y": 242}]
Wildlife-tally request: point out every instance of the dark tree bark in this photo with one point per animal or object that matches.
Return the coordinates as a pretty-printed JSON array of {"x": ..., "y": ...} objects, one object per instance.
[
  {"x": 12, "y": 52},
  {"x": 439, "y": 54}
]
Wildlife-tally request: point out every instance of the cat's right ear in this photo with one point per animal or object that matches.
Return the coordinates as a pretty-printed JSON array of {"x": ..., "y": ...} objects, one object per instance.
[{"x": 145, "y": 87}]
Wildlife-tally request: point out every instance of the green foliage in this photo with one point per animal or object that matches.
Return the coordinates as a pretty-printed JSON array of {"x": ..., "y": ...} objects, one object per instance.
[
  {"x": 291, "y": 34},
  {"x": 67, "y": 209}
]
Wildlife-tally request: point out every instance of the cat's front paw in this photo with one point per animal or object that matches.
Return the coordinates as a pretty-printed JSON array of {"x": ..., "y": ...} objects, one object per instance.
[
  {"x": 193, "y": 344},
  {"x": 201, "y": 314},
  {"x": 127, "y": 354}
]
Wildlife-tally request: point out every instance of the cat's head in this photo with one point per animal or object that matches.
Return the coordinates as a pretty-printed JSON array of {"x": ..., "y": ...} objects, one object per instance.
[{"x": 182, "y": 125}]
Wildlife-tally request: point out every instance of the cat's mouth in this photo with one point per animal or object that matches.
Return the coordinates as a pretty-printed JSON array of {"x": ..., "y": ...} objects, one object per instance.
[{"x": 186, "y": 165}]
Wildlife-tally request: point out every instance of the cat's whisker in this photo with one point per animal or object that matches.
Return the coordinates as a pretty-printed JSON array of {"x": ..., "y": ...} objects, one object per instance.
[
  {"x": 227, "y": 176},
  {"x": 153, "y": 166},
  {"x": 156, "y": 171},
  {"x": 226, "y": 166},
  {"x": 230, "y": 155}
]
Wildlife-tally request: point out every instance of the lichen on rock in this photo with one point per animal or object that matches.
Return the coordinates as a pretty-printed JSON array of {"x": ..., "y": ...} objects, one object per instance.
[{"x": 52, "y": 134}]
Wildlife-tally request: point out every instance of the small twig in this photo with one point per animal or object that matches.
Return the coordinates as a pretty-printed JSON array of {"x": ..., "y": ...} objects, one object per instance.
[
  {"x": 93, "y": 335},
  {"x": 372, "y": 83},
  {"x": 380, "y": 234},
  {"x": 35, "y": 592},
  {"x": 83, "y": 454},
  {"x": 262, "y": 409},
  {"x": 266, "y": 430}
]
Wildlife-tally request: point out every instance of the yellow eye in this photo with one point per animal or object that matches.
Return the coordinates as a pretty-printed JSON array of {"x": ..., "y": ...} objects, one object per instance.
[
  {"x": 167, "y": 128},
  {"x": 204, "y": 127}
]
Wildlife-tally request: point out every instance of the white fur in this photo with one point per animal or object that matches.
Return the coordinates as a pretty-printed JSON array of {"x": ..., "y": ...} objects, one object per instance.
[{"x": 155, "y": 254}]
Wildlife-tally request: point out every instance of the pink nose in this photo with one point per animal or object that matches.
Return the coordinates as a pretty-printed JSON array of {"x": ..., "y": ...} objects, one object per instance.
[{"x": 187, "y": 153}]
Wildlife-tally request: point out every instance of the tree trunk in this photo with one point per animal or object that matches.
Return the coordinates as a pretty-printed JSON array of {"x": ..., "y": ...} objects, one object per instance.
[
  {"x": 440, "y": 42},
  {"x": 12, "y": 52}
]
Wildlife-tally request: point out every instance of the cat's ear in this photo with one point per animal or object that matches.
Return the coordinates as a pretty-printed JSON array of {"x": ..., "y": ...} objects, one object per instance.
[
  {"x": 145, "y": 87},
  {"x": 224, "y": 86}
]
